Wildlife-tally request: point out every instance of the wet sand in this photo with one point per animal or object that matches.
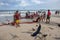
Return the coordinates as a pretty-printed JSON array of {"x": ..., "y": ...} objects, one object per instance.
[{"x": 8, "y": 32}]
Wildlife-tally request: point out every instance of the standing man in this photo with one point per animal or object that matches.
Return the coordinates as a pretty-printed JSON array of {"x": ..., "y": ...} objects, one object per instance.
[
  {"x": 48, "y": 16},
  {"x": 16, "y": 19}
]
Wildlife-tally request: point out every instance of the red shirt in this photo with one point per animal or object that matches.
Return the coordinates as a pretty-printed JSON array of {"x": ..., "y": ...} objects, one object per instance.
[
  {"x": 17, "y": 16},
  {"x": 49, "y": 13}
]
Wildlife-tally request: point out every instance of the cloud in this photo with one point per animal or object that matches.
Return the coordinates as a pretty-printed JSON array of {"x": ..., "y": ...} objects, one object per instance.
[
  {"x": 29, "y": 4},
  {"x": 52, "y": 1},
  {"x": 23, "y": 3},
  {"x": 2, "y": 4},
  {"x": 17, "y": 0},
  {"x": 37, "y": 1}
]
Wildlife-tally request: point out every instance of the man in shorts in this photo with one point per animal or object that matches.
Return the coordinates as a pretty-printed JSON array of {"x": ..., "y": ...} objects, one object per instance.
[
  {"x": 16, "y": 18},
  {"x": 48, "y": 16}
]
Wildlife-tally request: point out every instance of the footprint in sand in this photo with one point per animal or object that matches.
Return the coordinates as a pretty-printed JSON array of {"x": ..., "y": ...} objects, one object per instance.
[{"x": 14, "y": 36}]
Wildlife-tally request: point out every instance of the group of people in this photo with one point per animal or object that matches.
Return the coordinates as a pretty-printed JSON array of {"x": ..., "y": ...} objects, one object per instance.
[
  {"x": 57, "y": 12},
  {"x": 43, "y": 17},
  {"x": 28, "y": 15}
]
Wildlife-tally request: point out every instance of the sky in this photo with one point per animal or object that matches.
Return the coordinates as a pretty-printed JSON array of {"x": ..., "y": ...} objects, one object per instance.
[{"x": 29, "y": 4}]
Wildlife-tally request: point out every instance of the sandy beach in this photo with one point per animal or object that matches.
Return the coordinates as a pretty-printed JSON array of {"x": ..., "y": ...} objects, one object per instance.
[{"x": 8, "y": 32}]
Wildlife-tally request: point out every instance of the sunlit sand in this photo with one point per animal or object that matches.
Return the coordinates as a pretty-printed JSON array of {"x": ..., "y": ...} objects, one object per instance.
[{"x": 8, "y": 32}]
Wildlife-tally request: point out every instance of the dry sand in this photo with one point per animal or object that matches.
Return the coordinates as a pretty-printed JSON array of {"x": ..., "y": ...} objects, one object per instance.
[{"x": 24, "y": 32}]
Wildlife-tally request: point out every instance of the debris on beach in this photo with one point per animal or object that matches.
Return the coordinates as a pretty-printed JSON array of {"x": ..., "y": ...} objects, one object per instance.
[
  {"x": 50, "y": 28},
  {"x": 57, "y": 38},
  {"x": 14, "y": 36},
  {"x": 58, "y": 25}
]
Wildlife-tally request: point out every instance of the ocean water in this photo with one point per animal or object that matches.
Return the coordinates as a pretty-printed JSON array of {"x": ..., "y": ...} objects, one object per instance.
[{"x": 4, "y": 15}]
